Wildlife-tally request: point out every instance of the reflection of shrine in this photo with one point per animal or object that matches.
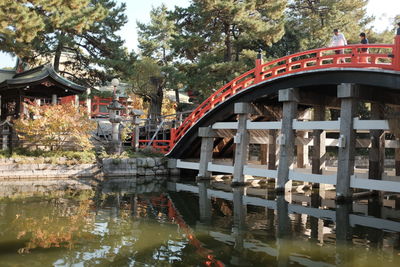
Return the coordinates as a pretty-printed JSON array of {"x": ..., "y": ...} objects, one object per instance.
[{"x": 41, "y": 84}]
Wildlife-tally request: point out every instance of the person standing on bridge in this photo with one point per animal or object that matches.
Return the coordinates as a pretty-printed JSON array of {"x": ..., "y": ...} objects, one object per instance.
[
  {"x": 398, "y": 29},
  {"x": 338, "y": 39},
  {"x": 363, "y": 50}
]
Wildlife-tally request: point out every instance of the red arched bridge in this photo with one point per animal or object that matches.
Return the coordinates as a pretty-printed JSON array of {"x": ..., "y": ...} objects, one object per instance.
[
  {"x": 315, "y": 67},
  {"x": 262, "y": 123}
]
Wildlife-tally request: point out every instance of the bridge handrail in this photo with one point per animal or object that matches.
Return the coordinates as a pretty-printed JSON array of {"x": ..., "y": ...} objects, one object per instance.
[{"x": 318, "y": 58}]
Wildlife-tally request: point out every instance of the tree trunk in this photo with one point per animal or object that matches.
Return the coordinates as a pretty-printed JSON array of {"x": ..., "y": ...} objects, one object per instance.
[
  {"x": 228, "y": 44},
  {"x": 156, "y": 105},
  {"x": 57, "y": 56},
  {"x": 177, "y": 96}
]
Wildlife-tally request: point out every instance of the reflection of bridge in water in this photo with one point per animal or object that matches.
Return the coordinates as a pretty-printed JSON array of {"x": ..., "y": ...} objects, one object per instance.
[
  {"x": 323, "y": 222},
  {"x": 280, "y": 110}
]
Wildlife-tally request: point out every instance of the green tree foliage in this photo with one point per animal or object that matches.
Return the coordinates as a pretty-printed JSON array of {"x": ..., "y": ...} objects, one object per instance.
[
  {"x": 310, "y": 24},
  {"x": 218, "y": 38},
  {"x": 94, "y": 55},
  {"x": 83, "y": 46},
  {"x": 148, "y": 82},
  {"x": 155, "y": 38},
  {"x": 23, "y": 21},
  {"x": 155, "y": 47}
]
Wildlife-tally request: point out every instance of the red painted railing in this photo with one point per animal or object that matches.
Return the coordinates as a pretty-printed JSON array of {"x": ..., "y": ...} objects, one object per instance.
[
  {"x": 161, "y": 145},
  {"x": 380, "y": 56}
]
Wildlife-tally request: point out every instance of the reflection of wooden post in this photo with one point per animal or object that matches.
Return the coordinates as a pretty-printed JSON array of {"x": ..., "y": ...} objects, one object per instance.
[
  {"x": 377, "y": 150},
  {"x": 314, "y": 221},
  {"x": 290, "y": 99},
  {"x": 204, "y": 203},
  {"x": 347, "y": 93},
  {"x": 343, "y": 234},
  {"x": 282, "y": 231}
]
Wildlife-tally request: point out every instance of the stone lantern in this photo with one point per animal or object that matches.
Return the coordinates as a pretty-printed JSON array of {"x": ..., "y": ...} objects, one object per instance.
[
  {"x": 114, "y": 111},
  {"x": 136, "y": 113}
]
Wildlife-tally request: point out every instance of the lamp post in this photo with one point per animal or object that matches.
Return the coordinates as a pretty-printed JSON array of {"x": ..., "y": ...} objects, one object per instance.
[{"x": 115, "y": 118}]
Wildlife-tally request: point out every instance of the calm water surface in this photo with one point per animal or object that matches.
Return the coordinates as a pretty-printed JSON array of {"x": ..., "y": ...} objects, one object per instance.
[{"x": 181, "y": 224}]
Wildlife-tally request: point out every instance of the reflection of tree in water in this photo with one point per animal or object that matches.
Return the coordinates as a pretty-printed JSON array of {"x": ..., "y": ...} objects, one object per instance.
[
  {"x": 57, "y": 223},
  {"x": 133, "y": 229}
]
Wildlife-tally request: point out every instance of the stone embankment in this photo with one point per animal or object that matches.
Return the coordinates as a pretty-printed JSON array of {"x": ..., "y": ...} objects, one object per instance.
[
  {"x": 15, "y": 169},
  {"x": 135, "y": 167},
  {"x": 26, "y": 176}
]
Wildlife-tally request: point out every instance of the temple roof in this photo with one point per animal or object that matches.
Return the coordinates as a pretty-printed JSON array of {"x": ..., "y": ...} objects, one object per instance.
[{"x": 41, "y": 81}]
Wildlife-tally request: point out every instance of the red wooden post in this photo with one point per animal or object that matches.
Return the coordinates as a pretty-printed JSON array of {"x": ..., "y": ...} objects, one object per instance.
[
  {"x": 172, "y": 138},
  {"x": 396, "y": 53},
  {"x": 258, "y": 69}
]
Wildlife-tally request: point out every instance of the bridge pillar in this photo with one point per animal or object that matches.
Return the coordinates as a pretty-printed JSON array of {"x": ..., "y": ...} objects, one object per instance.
[
  {"x": 377, "y": 150},
  {"x": 319, "y": 149},
  {"x": 272, "y": 149},
  {"x": 290, "y": 99},
  {"x": 241, "y": 140},
  {"x": 207, "y": 145},
  {"x": 302, "y": 150},
  {"x": 348, "y": 93},
  {"x": 264, "y": 154}
]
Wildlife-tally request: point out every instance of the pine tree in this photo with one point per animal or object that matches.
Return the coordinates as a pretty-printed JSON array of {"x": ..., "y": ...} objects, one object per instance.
[
  {"x": 220, "y": 37},
  {"x": 82, "y": 42},
  {"x": 95, "y": 55},
  {"x": 148, "y": 81},
  {"x": 155, "y": 47},
  {"x": 22, "y": 21},
  {"x": 310, "y": 24}
]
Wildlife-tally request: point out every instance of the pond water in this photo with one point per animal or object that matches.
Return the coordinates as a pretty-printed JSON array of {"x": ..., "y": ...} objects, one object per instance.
[{"x": 202, "y": 224}]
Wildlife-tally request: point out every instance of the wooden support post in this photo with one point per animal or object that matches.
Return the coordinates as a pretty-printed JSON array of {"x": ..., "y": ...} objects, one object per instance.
[
  {"x": 397, "y": 160},
  {"x": 241, "y": 140},
  {"x": 76, "y": 101},
  {"x": 207, "y": 145},
  {"x": 377, "y": 150},
  {"x": 397, "y": 150},
  {"x": 54, "y": 99},
  {"x": 302, "y": 151},
  {"x": 290, "y": 98},
  {"x": 264, "y": 154},
  {"x": 89, "y": 102},
  {"x": 319, "y": 149},
  {"x": 347, "y": 92},
  {"x": 272, "y": 150}
]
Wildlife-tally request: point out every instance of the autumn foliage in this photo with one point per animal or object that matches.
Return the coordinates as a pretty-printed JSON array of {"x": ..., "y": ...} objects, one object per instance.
[{"x": 59, "y": 127}]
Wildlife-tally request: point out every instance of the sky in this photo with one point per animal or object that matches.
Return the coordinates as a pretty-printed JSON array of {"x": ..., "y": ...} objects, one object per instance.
[{"x": 138, "y": 10}]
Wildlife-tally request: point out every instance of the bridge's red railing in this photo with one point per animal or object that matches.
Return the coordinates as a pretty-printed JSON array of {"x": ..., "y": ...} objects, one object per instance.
[{"x": 380, "y": 56}]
